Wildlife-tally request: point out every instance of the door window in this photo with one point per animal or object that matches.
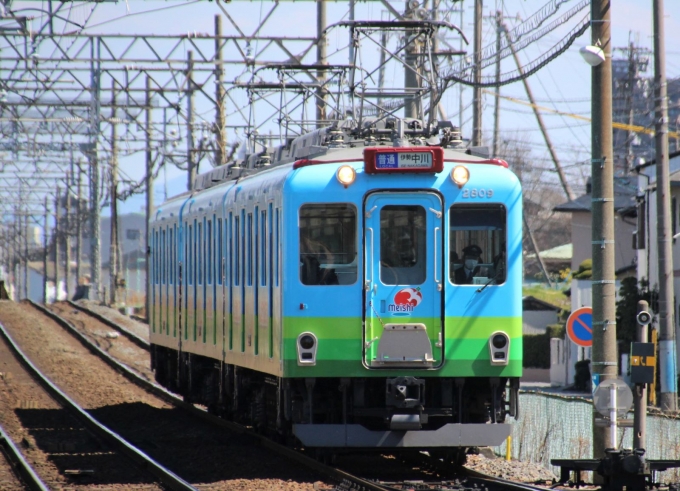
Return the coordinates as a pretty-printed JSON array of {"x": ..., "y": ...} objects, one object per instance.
[{"x": 403, "y": 245}]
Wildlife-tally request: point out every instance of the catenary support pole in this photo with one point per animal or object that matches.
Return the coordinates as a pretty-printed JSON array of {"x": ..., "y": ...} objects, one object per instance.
[
  {"x": 113, "y": 192},
  {"x": 321, "y": 53},
  {"x": 79, "y": 225},
  {"x": 26, "y": 254},
  {"x": 477, "y": 90},
  {"x": 667, "y": 363},
  {"x": 46, "y": 252},
  {"x": 220, "y": 109},
  {"x": 68, "y": 222},
  {"x": 95, "y": 107},
  {"x": 604, "y": 363},
  {"x": 191, "y": 154},
  {"x": 149, "y": 196},
  {"x": 58, "y": 226},
  {"x": 497, "y": 102}
]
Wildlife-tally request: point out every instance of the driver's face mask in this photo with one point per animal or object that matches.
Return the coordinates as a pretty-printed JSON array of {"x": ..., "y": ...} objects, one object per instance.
[{"x": 470, "y": 263}]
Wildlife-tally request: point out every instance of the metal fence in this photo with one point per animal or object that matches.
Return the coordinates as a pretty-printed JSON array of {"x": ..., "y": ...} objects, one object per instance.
[{"x": 560, "y": 427}]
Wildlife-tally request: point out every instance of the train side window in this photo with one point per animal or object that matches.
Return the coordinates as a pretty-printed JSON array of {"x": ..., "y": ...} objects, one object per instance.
[
  {"x": 249, "y": 251},
  {"x": 164, "y": 262},
  {"x": 187, "y": 253},
  {"x": 154, "y": 257},
  {"x": 209, "y": 264},
  {"x": 477, "y": 244},
  {"x": 278, "y": 246},
  {"x": 220, "y": 252},
  {"x": 237, "y": 251},
  {"x": 199, "y": 254},
  {"x": 194, "y": 265},
  {"x": 263, "y": 248},
  {"x": 328, "y": 244},
  {"x": 170, "y": 255}
]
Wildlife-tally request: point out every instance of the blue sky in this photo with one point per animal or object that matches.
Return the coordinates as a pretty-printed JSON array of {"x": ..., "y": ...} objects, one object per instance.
[{"x": 564, "y": 84}]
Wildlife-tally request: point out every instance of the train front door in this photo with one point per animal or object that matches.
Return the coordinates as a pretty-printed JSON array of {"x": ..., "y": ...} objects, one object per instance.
[{"x": 403, "y": 280}]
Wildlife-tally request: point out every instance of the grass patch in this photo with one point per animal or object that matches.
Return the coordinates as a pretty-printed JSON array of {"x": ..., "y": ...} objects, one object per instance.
[{"x": 554, "y": 297}]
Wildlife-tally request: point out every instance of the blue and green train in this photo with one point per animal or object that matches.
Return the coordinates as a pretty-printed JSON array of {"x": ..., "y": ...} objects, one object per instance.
[{"x": 355, "y": 288}]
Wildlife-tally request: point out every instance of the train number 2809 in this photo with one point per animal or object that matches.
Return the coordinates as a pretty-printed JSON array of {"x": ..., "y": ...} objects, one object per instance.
[{"x": 477, "y": 193}]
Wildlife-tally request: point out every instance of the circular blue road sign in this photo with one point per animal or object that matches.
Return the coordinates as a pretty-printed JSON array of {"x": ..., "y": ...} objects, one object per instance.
[{"x": 580, "y": 326}]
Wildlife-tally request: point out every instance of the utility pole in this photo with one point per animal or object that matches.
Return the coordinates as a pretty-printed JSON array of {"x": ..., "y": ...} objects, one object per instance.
[
  {"x": 563, "y": 178},
  {"x": 113, "y": 253},
  {"x": 321, "y": 60},
  {"x": 191, "y": 165},
  {"x": 667, "y": 375},
  {"x": 497, "y": 102},
  {"x": 477, "y": 89},
  {"x": 45, "y": 246},
  {"x": 604, "y": 363},
  {"x": 220, "y": 112},
  {"x": 632, "y": 73},
  {"x": 149, "y": 195}
]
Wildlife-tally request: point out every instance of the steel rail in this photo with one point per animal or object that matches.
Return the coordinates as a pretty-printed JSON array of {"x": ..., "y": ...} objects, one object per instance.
[
  {"x": 511, "y": 485},
  {"x": 20, "y": 464},
  {"x": 142, "y": 343},
  {"x": 176, "y": 401},
  {"x": 167, "y": 477}
]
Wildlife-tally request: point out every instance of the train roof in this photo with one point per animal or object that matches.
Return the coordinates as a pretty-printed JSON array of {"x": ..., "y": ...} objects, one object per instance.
[{"x": 346, "y": 140}]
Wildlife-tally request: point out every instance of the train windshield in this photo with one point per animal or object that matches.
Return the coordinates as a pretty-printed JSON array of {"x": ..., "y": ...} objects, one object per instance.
[
  {"x": 328, "y": 244},
  {"x": 402, "y": 245},
  {"x": 477, "y": 246}
]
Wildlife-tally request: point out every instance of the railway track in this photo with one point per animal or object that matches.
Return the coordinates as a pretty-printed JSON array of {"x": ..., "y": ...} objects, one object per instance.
[
  {"x": 63, "y": 444},
  {"x": 16, "y": 473},
  {"x": 409, "y": 476}
]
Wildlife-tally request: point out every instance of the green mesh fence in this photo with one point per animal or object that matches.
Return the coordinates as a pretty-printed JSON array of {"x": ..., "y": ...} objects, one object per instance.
[{"x": 560, "y": 427}]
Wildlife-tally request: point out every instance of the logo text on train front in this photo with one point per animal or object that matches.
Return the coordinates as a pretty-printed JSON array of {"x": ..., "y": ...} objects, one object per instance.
[{"x": 405, "y": 300}]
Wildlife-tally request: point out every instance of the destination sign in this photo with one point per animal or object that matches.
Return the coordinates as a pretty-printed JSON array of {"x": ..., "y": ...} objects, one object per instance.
[{"x": 403, "y": 160}]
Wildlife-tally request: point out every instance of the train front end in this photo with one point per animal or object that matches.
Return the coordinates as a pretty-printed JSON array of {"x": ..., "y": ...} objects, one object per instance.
[{"x": 402, "y": 318}]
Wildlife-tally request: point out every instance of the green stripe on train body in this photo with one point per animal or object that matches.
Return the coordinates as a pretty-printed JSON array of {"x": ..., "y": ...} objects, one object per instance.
[{"x": 340, "y": 348}]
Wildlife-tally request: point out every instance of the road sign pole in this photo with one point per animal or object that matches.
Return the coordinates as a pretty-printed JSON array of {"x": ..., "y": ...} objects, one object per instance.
[
  {"x": 612, "y": 416},
  {"x": 640, "y": 392}
]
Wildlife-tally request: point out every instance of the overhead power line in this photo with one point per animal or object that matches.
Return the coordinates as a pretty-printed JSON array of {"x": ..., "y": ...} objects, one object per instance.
[{"x": 619, "y": 126}]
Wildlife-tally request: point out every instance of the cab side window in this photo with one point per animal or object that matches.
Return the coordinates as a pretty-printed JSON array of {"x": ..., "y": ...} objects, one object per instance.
[
  {"x": 328, "y": 244},
  {"x": 477, "y": 246}
]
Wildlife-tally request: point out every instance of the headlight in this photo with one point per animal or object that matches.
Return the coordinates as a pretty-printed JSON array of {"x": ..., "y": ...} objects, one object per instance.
[
  {"x": 346, "y": 175},
  {"x": 306, "y": 349},
  {"x": 460, "y": 175},
  {"x": 306, "y": 342},
  {"x": 499, "y": 348}
]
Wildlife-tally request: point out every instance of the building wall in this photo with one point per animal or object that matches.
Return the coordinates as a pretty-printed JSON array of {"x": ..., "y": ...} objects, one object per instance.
[
  {"x": 536, "y": 321},
  {"x": 580, "y": 238}
]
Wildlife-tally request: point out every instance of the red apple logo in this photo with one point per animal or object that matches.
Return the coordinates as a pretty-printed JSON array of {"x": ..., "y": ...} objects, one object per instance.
[{"x": 408, "y": 296}]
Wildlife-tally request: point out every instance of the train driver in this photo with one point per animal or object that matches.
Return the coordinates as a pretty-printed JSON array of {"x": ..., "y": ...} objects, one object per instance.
[{"x": 471, "y": 259}]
